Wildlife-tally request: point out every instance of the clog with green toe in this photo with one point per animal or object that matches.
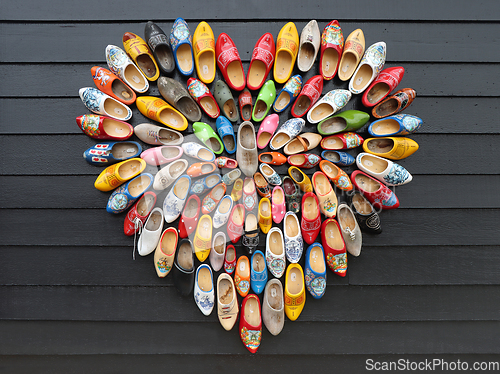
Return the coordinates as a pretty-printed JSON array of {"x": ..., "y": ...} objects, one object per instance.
[
  {"x": 264, "y": 101},
  {"x": 208, "y": 137},
  {"x": 348, "y": 120}
]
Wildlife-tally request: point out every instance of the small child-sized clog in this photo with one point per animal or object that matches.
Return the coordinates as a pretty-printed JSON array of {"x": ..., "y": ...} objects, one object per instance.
[
  {"x": 225, "y": 162},
  {"x": 288, "y": 94},
  {"x": 113, "y": 86},
  {"x": 231, "y": 177},
  {"x": 200, "y": 168},
  {"x": 348, "y": 120},
  {"x": 246, "y": 104},
  {"x": 207, "y": 136},
  {"x": 350, "y": 229},
  {"x": 292, "y": 194},
  {"x": 272, "y": 158},
  {"x": 300, "y": 179},
  {"x": 181, "y": 43},
  {"x": 346, "y": 140},
  {"x": 249, "y": 194},
  {"x": 226, "y": 134},
  {"x": 264, "y": 101},
  {"x": 160, "y": 47},
  {"x": 229, "y": 62},
  {"x": 107, "y": 153},
  {"x": 157, "y": 109},
  {"x": 202, "y": 95},
  {"x": 328, "y": 105},
  {"x": 139, "y": 52},
  {"x": 100, "y": 103},
  {"x": 398, "y": 124},
  {"x": 204, "y": 52},
  {"x": 308, "y": 96},
  {"x": 230, "y": 259},
  {"x": 262, "y": 186},
  {"x": 124, "y": 196},
  {"x": 104, "y": 128},
  {"x": 332, "y": 43},
  {"x": 369, "y": 68},
  {"x": 261, "y": 61},
  {"x": 121, "y": 65},
  {"x": 270, "y": 174},
  {"x": 286, "y": 52}
]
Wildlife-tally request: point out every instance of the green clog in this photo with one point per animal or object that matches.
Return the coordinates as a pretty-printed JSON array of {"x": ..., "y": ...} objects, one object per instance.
[
  {"x": 265, "y": 100},
  {"x": 208, "y": 137},
  {"x": 348, "y": 120}
]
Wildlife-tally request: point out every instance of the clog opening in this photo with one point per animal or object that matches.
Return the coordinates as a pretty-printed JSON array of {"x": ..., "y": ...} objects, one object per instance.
[
  {"x": 164, "y": 57},
  {"x": 168, "y": 136},
  {"x": 154, "y": 221},
  {"x": 145, "y": 205},
  {"x": 123, "y": 150},
  {"x": 114, "y": 108},
  {"x": 297, "y": 175},
  {"x": 297, "y": 160},
  {"x": 260, "y": 109},
  {"x": 235, "y": 74},
  {"x": 374, "y": 164},
  {"x": 275, "y": 297},
  {"x": 170, "y": 152},
  {"x": 266, "y": 157},
  {"x": 243, "y": 267},
  {"x": 329, "y": 63},
  {"x": 291, "y": 226},
  {"x": 134, "y": 78},
  {"x": 258, "y": 263},
  {"x": 181, "y": 188},
  {"x": 168, "y": 243},
  {"x": 294, "y": 281},
  {"x": 347, "y": 66},
  {"x": 384, "y": 127},
  {"x": 295, "y": 146},
  {"x": 238, "y": 215},
  {"x": 177, "y": 168},
  {"x": 207, "y": 168},
  {"x": 333, "y": 236},
  {"x": 362, "y": 78},
  {"x": 210, "y": 106},
  {"x": 224, "y": 206},
  {"x": 311, "y": 209},
  {"x": 267, "y": 170},
  {"x": 219, "y": 244},
  {"x": 128, "y": 169},
  {"x": 377, "y": 92},
  {"x": 276, "y": 243},
  {"x": 330, "y": 169},
  {"x": 230, "y": 254},
  {"x": 172, "y": 118},
  {"x": 252, "y": 312},
  {"x": 185, "y": 57},
  {"x": 185, "y": 256},
  {"x": 147, "y": 65},
  {"x": 138, "y": 185},
  {"x": 246, "y": 112},
  {"x": 121, "y": 90},
  {"x": 278, "y": 197},
  {"x": 317, "y": 260},
  {"x": 361, "y": 205},
  {"x": 192, "y": 208},
  {"x": 333, "y": 143},
  {"x": 204, "y": 279},
  {"x": 301, "y": 105},
  {"x": 214, "y": 144},
  {"x": 229, "y": 109},
  {"x": 279, "y": 140},
  {"x": 249, "y": 186},
  {"x": 306, "y": 56},
  {"x": 205, "y": 228},
  {"x": 205, "y": 155},
  {"x": 256, "y": 74},
  {"x": 283, "y": 65},
  {"x": 333, "y": 125},
  {"x": 321, "y": 184},
  {"x": 229, "y": 142},
  {"x": 282, "y": 101},
  {"x": 225, "y": 291},
  {"x": 321, "y": 112},
  {"x": 386, "y": 108},
  {"x": 212, "y": 180},
  {"x": 218, "y": 192},
  {"x": 264, "y": 208},
  {"x": 251, "y": 224},
  {"x": 346, "y": 218},
  {"x": 366, "y": 184},
  {"x": 206, "y": 66},
  {"x": 189, "y": 108},
  {"x": 247, "y": 137},
  {"x": 289, "y": 186},
  {"x": 332, "y": 156}
]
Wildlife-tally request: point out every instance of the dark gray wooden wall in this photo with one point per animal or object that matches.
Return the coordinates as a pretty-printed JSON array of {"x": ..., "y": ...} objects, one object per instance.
[{"x": 73, "y": 300}]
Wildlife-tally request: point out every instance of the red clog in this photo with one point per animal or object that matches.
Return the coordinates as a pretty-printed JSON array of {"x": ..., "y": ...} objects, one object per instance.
[
  {"x": 202, "y": 95},
  {"x": 250, "y": 322},
  {"x": 385, "y": 82},
  {"x": 245, "y": 104},
  {"x": 375, "y": 192},
  {"x": 139, "y": 212},
  {"x": 308, "y": 96},
  {"x": 113, "y": 86},
  {"x": 229, "y": 62},
  {"x": 236, "y": 222},
  {"x": 261, "y": 61},
  {"x": 310, "y": 224},
  {"x": 230, "y": 259},
  {"x": 332, "y": 44},
  {"x": 104, "y": 128},
  {"x": 189, "y": 216},
  {"x": 334, "y": 247},
  {"x": 304, "y": 160},
  {"x": 346, "y": 140}
]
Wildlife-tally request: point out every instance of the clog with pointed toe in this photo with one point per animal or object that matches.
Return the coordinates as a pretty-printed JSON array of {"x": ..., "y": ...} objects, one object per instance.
[
  {"x": 295, "y": 291},
  {"x": 229, "y": 62},
  {"x": 139, "y": 52},
  {"x": 354, "y": 48},
  {"x": 202, "y": 241},
  {"x": 182, "y": 48},
  {"x": 104, "y": 128},
  {"x": 315, "y": 270},
  {"x": 207, "y": 136},
  {"x": 287, "y": 95},
  {"x": 99, "y": 103},
  {"x": 309, "y": 95},
  {"x": 202, "y": 95},
  {"x": 261, "y": 61},
  {"x": 348, "y": 120},
  {"x": 385, "y": 82},
  {"x": 309, "y": 44},
  {"x": 332, "y": 44},
  {"x": 377, "y": 193},
  {"x": 117, "y": 174},
  {"x": 334, "y": 247},
  {"x": 397, "y": 124},
  {"x": 159, "y": 110},
  {"x": 107, "y": 153},
  {"x": 264, "y": 101},
  {"x": 393, "y": 148},
  {"x": 369, "y": 68},
  {"x": 121, "y": 65},
  {"x": 111, "y": 85},
  {"x": 328, "y": 105},
  {"x": 250, "y": 325},
  {"x": 397, "y": 102},
  {"x": 386, "y": 171}
]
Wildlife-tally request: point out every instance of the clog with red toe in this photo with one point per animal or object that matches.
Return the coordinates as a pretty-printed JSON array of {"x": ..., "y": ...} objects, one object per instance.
[
  {"x": 308, "y": 96},
  {"x": 332, "y": 44},
  {"x": 385, "y": 82},
  {"x": 266, "y": 130},
  {"x": 189, "y": 216},
  {"x": 261, "y": 61},
  {"x": 334, "y": 246},
  {"x": 113, "y": 86},
  {"x": 377, "y": 193},
  {"x": 137, "y": 215},
  {"x": 310, "y": 224},
  {"x": 229, "y": 62}
]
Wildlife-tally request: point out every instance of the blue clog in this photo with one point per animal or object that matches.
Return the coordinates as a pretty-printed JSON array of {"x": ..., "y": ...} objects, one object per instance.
[
  {"x": 315, "y": 270},
  {"x": 226, "y": 133},
  {"x": 398, "y": 124},
  {"x": 258, "y": 272},
  {"x": 108, "y": 153},
  {"x": 124, "y": 196},
  {"x": 182, "y": 47},
  {"x": 288, "y": 94},
  {"x": 204, "y": 184},
  {"x": 338, "y": 158}
]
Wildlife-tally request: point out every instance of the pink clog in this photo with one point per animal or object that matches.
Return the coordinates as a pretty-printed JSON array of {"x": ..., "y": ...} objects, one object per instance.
[
  {"x": 266, "y": 130},
  {"x": 278, "y": 204},
  {"x": 162, "y": 155}
]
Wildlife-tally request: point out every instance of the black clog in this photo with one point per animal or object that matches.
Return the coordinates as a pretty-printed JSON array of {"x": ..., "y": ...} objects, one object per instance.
[{"x": 160, "y": 46}]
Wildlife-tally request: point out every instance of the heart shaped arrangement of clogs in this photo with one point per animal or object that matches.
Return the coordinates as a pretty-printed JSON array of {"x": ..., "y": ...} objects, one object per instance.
[{"x": 265, "y": 158}]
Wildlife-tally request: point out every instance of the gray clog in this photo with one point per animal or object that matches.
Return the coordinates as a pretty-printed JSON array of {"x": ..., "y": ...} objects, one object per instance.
[
  {"x": 179, "y": 97},
  {"x": 226, "y": 101}
]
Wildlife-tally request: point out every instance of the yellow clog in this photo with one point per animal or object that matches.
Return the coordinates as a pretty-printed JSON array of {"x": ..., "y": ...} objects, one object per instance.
[
  {"x": 204, "y": 52},
  {"x": 302, "y": 180},
  {"x": 202, "y": 242},
  {"x": 158, "y": 110},
  {"x": 139, "y": 52},
  {"x": 295, "y": 291},
  {"x": 394, "y": 148},
  {"x": 265, "y": 218},
  {"x": 287, "y": 47},
  {"x": 115, "y": 175}
]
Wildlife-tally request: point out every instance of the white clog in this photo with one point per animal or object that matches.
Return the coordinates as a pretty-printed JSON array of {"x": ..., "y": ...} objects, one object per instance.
[
  {"x": 328, "y": 105},
  {"x": 100, "y": 103}
]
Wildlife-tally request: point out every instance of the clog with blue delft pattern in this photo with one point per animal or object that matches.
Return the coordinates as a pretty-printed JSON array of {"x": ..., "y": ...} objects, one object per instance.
[
  {"x": 328, "y": 105},
  {"x": 107, "y": 153},
  {"x": 288, "y": 94},
  {"x": 100, "y": 103},
  {"x": 258, "y": 272},
  {"x": 369, "y": 68},
  {"x": 386, "y": 171},
  {"x": 315, "y": 270},
  {"x": 338, "y": 158},
  {"x": 204, "y": 294},
  {"x": 176, "y": 198},
  {"x": 119, "y": 63},
  {"x": 198, "y": 151},
  {"x": 124, "y": 196},
  {"x": 182, "y": 47},
  {"x": 398, "y": 124}
]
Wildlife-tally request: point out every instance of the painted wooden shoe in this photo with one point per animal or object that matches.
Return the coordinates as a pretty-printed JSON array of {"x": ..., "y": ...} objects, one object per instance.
[
  {"x": 176, "y": 198},
  {"x": 265, "y": 218},
  {"x": 262, "y": 186},
  {"x": 158, "y": 135},
  {"x": 162, "y": 155},
  {"x": 273, "y": 307},
  {"x": 124, "y": 196},
  {"x": 229, "y": 62},
  {"x": 165, "y": 252},
  {"x": 178, "y": 96},
  {"x": 294, "y": 245},
  {"x": 237, "y": 191},
  {"x": 218, "y": 251},
  {"x": 286, "y": 132},
  {"x": 315, "y": 269},
  {"x": 231, "y": 177},
  {"x": 202, "y": 241},
  {"x": 137, "y": 215},
  {"x": 160, "y": 47},
  {"x": 275, "y": 252},
  {"x": 251, "y": 323},
  {"x": 226, "y": 134},
  {"x": 225, "y": 100},
  {"x": 332, "y": 43},
  {"x": 107, "y": 153},
  {"x": 183, "y": 272},
  {"x": 278, "y": 206},
  {"x": 202, "y": 95},
  {"x": 354, "y": 49},
  {"x": 398, "y": 124},
  {"x": 204, "y": 52},
  {"x": 242, "y": 276},
  {"x": 139, "y": 52},
  {"x": 182, "y": 49},
  {"x": 329, "y": 104},
  {"x": 210, "y": 201},
  {"x": 100, "y": 103},
  {"x": 221, "y": 215},
  {"x": 310, "y": 40},
  {"x": 327, "y": 198},
  {"x": 380, "y": 196},
  {"x": 151, "y": 232},
  {"x": 235, "y": 223},
  {"x": 189, "y": 216},
  {"x": 227, "y": 302},
  {"x": 346, "y": 140},
  {"x": 199, "y": 152},
  {"x": 104, "y": 128},
  {"x": 200, "y": 168},
  {"x": 308, "y": 96},
  {"x": 369, "y": 67},
  {"x": 368, "y": 219},
  {"x": 169, "y": 173},
  {"x": 288, "y": 94},
  {"x": 338, "y": 176},
  {"x": 266, "y": 130},
  {"x": 304, "y": 160},
  {"x": 261, "y": 61},
  {"x": 395, "y": 103},
  {"x": 207, "y": 136},
  {"x": 204, "y": 184},
  {"x": 250, "y": 239},
  {"x": 121, "y": 65},
  {"x": 246, "y": 104},
  {"x": 338, "y": 158},
  {"x": 264, "y": 101},
  {"x": 204, "y": 295},
  {"x": 348, "y": 120},
  {"x": 295, "y": 291},
  {"x": 230, "y": 259},
  {"x": 350, "y": 229},
  {"x": 249, "y": 194},
  {"x": 292, "y": 194},
  {"x": 300, "y": 179},
  {"x": 258, "y": 272},
  {"x": 394, "y": 148},
  {"x": 272, "y": 158},
  {"x": 386, "y": 171},
  {"x": 311, "y": 217},
  {"x": 117, "y": 174},
  {"x": 225, "y": 162},
  {"x": 334, "y": 246},
  {"x": 246, "y": 149},
  {"x": 302, "y": 143},
  {"x": 385, "y": 82},
  {"x": 113, "y": 86},
  {"x": 270, "y": 174},
  {"x": 157, "y": 109},
  {"x": 286, "y": 52}
]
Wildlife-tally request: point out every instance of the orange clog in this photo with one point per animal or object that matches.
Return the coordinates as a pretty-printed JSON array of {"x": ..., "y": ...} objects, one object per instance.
[
  {"x": 139, "y": 52},
  {"x": 272, "y": 158},
  {"x": 113, "y": 86},
  {"x": 157, "y": 109},
  {"x": 115, "y": 175},
  {"x": 204, "y": 52},
  {"x": 336, "y": 175},
  {"x": 242, "y": 276},
  {"x": 200, "y": 168},
  {"x": 287, "y": 47}
]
